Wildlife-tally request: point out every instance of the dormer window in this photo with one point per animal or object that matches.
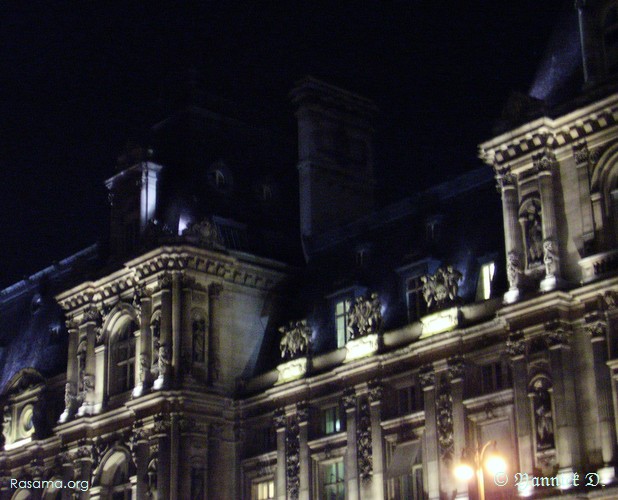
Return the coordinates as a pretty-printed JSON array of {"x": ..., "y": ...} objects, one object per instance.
[
  {"x": 267, "y": 192},
  {"x": 342, "y": 309},
  {"x": 486, "y": 276}
]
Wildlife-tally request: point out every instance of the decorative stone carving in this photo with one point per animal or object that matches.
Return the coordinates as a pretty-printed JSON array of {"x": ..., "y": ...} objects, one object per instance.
[
  {"x": 349, "y": 398},
  {"x": 505, "y": 180},
  {"x": 556, "y": 334},
  {"x": 36, "y": 469},
  {"x": 426, "y": 376},
  {"x": 543, "y": 418},
  {"x": 71, "y": 399},
  {"x": 516, "y": 344},
  {"x": 597, "y": 329},
  {"x": 549, "y": 257},
  {"x": 456, "y": 368},
  {"x": 92, "y": 315},
  {"x": 444, "y": 418},
  {"x": 162, "y": 424},
  {"x": 365, "y": 316},
  {"x": 533, "y": 230},
  {"x": 165, "y": 360},
  {"x": 88, "y": 383},
  {"x": 442, "y": 288},
  {"x": 364, "y": 448},
  {"x": 543, "y": 162},
  {"x": 279, "y": 419},
  {"x": 144, "y": 367},
  {"x": 292, "y": 459},
  {"x": 198, "y": 326},
  {"x": 205, "y": 233},
  {"x": 302, "y": 412},
  {"x": 580, "y": 152},
  {"x": 376, "y": 391},
  {"x": 295, "y": 339},
  {"x": 165, "y": 281},
  {"x": 513, "y": 269}
]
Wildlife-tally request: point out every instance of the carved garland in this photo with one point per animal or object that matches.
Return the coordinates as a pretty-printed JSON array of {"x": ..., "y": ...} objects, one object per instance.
[
  {"x": 292, "y": 459},
  {"x": 364, "y": 450},
  {"x": 444, "y": 409}
]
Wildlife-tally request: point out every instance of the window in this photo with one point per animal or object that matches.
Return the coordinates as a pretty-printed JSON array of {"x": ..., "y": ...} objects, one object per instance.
[
  {"x": 124, "y": 358},
  {"x": 121, "y": 486},
  {"x": 219, "y": 179},
  {"x": 342, "y": 309},
  {"x": 331, "y": 420},
  {"x": 486, "y": 276},
  {"x": 494, "y": 377},
  {"x": 333, "y": 481},
  {"x": 405, "y": 472},
  {"x": 409, "y": 400},
  {"x": 263, "y": 490},
  {"x": 414, "y": 298}
]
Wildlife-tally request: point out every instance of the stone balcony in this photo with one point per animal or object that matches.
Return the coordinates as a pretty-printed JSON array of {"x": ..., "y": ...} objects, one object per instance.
[{"x": 598, "y": 265}]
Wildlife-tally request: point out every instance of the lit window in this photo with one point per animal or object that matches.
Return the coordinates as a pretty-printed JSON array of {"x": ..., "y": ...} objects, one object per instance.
[
  {"x": 124, "y": 358},
  {"x": 342, "y": 309},
  {"x": 264, "y": 490},
  {"x": 333, "y": 477},
  {"x": 331, "y": 420},
  {"x": 414, "y": 298},
  {"x": 486, "y": 276}
]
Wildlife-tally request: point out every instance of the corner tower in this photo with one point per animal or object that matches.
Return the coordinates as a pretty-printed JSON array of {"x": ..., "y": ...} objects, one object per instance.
[{"x": 335, "y": 156}]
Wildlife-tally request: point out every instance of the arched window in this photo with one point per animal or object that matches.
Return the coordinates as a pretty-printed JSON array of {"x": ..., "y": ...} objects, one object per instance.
[
  {"x": 610, "y": 39},
  {"x": 220, "y": 179},
  {"x": 123, "y": 358},
  {"x": 22, "y": 495},
  {"x": 115, "y": 477}
]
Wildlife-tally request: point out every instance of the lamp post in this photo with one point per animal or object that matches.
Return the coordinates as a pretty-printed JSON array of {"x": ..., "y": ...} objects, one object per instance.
[{"x": 494, "y": 463}]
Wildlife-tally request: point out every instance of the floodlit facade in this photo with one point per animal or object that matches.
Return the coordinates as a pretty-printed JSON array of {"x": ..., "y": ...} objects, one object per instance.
[{"x": 243, "y": 332}]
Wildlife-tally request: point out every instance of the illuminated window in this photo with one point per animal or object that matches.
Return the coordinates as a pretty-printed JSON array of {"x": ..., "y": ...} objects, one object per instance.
[
  {"x": 331, "y": 420},
  {"x": 333, "y": 481},
  {"x": 486, "y": 276},
  {"x": 414, "y": 298},
  {"x": 342, "y": 309},
  {"x": 264, "y": 490},
  {"x": 124, "y": 357}
]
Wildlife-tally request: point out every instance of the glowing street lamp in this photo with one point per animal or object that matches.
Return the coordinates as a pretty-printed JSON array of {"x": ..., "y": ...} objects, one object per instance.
[{"x": 466, "y": 469}]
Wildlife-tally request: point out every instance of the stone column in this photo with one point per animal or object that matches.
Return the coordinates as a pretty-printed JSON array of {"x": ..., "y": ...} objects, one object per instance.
[
  {"x": 378, "y": 482},
  {"x": 186, "y": 349},
  {"x": 512, "y": 235},
  {"x": 143, "y": 351},
  {"x": 160, "y": 446},
  {"x": 214, "y": 368},
  {"x": 544, "y": 164},
  {"x": 582, "y": 155},
  {"x": 176, "y": 324},
  {"x": 351, "y": 454},
  {"x": 516, "y": 348},
  {"x": 565, "y": 417},
  {"x": 302, "y": 412},
  {"x": 72, "y": 383},
  {"x": 82, "y": 464},
  {"x": 431, "y": 461},
  {"x": 280, "y": 422},
  {"x": 606, "y": 432},
  {"x": 140, "y": 452},
  {"x": 456, "y": 371},
  {"x": 165, "y": 348}
]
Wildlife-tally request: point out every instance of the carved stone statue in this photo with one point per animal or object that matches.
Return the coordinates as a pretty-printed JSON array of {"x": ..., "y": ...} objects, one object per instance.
[
  {"x": 295, "y": 340},
  {"x": 549, "y": 257},
  {"x": 7, "y": 420},
  {"x": 441, "y": 288},
  {"x": 513, "y": 269},
  {"x": 544, "y": 422},
  {"x": 365, "y": 316},
  {"x": 88, "y": 382},
  {"x": 534, "y": 233},
  {"x": 199, "y": 334},
  {"x": 205, "y": 232},
  {"x": 144, "y": 367},
  {"x": 165, "y": 360}
]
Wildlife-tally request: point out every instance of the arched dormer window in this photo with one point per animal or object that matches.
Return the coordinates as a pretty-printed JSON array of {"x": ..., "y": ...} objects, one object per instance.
[
  {"x": 610, "y": 38},
  {"x": 122, "y": 347}
]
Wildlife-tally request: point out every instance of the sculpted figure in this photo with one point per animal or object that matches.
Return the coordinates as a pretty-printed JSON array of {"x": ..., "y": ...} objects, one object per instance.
[
  {"x": 295, "y": 340},
  {"x": 549, "y": 257}
]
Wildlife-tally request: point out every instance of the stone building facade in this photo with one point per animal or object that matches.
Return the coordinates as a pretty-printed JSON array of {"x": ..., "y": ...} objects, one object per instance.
[{"x": 198, "y": 358}]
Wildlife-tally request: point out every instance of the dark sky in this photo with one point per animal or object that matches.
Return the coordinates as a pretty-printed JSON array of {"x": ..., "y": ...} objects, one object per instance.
[{"x": 78, "y": 79}]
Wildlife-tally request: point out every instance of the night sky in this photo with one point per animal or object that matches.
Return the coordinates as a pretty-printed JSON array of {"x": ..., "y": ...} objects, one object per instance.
[{"x": 80, "y": 79}]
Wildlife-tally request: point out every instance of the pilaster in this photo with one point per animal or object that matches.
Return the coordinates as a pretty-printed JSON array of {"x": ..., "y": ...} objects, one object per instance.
[
  {"x": 512, "y": 235},
  {"x": 375, "y": 410},
  {"x": 432, "y": 466},
  {"x": 280, "y": 422},
  {"x": 351, "y": 461},
  {"x": 302, "y": 412}
]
